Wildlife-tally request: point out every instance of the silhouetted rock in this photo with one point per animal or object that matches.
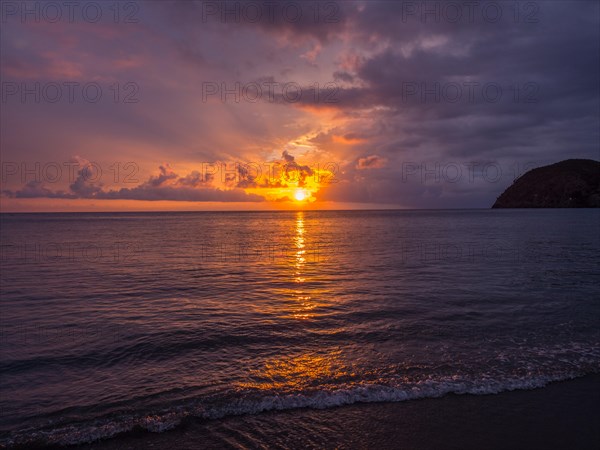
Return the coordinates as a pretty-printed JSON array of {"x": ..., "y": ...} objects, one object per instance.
[{"x": 573, "y": 183}]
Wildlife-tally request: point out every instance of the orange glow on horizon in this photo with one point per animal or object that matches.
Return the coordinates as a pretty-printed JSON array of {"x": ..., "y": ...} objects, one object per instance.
[{"x": 297, "y": 186}]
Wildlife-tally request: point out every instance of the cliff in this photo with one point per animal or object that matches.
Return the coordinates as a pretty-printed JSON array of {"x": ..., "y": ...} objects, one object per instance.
[{"x": 573, "y": 183}]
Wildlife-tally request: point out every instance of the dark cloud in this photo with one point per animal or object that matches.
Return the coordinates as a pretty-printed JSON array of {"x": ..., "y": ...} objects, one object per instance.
[
  {"x": 167, "y": 185},
  {"x": 280, "y": 173},
  {"x": 315, "y": 19},
  {"x": 370, "y": 162},
  {"x": 293, "y": 171},
  {"x": 35, "y": 189}
]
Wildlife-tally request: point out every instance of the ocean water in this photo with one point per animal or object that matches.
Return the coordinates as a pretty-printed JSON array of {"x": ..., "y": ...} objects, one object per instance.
[{"x": 114, "y": 322}]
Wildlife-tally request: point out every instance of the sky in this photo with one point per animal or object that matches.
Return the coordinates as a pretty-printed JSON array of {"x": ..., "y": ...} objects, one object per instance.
[{"x": 257, "y": 105}]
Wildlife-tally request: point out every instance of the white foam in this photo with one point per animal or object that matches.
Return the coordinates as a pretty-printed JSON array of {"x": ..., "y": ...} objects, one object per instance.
[{"x": 253, "y": 403}]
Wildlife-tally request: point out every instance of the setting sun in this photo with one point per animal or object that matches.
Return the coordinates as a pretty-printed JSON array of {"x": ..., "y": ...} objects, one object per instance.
[{"x": 300, "y": 195}]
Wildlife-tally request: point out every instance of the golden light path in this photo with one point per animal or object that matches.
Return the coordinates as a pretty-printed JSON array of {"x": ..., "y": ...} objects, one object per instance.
[{"x": 300, "y": 371}]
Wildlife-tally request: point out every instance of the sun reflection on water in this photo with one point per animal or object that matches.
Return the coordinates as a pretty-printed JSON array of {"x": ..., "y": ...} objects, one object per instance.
[
  {"x": 300, "y": 372},
  {"x": 303, "y": 300},
  {"x": 300, "y": 247}
]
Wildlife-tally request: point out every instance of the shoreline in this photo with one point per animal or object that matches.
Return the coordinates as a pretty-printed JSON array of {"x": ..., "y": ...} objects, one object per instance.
[{"x": 561, "y": 415}]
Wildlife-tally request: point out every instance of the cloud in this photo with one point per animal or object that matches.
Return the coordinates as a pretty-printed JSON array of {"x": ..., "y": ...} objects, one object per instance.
[
  {"x": 279, "y": 173},
  {"x": 35, "y": 189},
  {"x": 371, "y": 162},
  {"x": 167, "y": 185},
  {"x": 394, "y": 74}
]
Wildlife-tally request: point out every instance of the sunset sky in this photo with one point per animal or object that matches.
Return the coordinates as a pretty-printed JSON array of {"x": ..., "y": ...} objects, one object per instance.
[{"x": 316, "y": 105}]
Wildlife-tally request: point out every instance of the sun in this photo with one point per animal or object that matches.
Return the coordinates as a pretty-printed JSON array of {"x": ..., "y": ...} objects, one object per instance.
[{"x": 300, "y": 195}]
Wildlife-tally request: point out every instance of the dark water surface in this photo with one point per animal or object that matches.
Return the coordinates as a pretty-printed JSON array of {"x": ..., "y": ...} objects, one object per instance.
[{"x": 115, "y": 321}]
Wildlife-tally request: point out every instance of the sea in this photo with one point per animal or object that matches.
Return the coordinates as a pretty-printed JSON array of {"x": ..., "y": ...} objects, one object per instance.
[{"x": 113, "y": 322}]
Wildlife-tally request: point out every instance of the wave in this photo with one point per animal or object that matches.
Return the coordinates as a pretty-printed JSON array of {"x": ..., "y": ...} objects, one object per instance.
[{"x": 253, "y": 402}]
